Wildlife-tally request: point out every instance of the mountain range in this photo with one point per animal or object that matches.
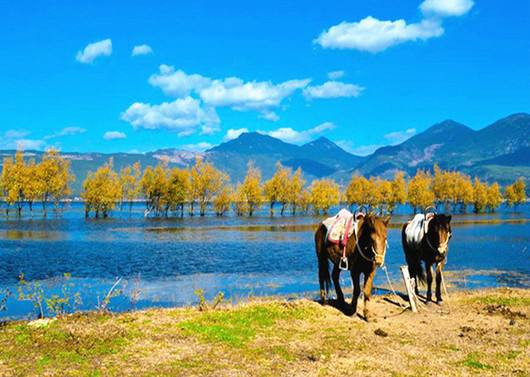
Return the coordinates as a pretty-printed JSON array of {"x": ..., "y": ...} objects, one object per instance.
[{"x": 500, "y": 151}]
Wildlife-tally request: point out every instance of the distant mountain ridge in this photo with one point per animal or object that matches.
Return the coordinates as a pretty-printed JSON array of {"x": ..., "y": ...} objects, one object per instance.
[{"x": 500, "y": 151}]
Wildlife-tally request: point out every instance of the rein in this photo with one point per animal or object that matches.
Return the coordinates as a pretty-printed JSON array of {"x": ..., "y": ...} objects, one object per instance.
[{"x": 372, "y": 260}]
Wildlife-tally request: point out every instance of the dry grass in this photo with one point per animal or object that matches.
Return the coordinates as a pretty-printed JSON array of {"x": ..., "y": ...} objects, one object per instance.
[{"x": 484, "y": 333}]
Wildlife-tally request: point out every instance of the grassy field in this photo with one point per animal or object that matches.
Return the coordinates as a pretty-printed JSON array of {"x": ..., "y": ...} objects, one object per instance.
[{"x": 474, "y": 333}]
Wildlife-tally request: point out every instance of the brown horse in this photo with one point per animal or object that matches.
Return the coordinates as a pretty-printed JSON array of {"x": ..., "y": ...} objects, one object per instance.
[
  {"x": 365, "y": 250},
  {"x": 430, "y": 245}
]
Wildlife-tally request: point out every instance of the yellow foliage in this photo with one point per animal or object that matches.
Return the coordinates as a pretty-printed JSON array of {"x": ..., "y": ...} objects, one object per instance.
[
  {"x": 251, "y": 191},
  {"x": 206, "y": 181},
  {"x": 420, "y": 195},
  {"x": 276, "y": 189},
  {"x": 324, "y": 194},
  {"x": 101, "y": 190}
]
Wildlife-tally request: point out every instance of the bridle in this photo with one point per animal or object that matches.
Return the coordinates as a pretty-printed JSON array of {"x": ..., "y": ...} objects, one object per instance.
[
  {"x": 362, "y": 254},
  {"x": 444, "y": 245}
]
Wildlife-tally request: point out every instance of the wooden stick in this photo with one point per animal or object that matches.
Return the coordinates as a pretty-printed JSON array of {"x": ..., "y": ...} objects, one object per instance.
[{"x": 410, "y": 291}]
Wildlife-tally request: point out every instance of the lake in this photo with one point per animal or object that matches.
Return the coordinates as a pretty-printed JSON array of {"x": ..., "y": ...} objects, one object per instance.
[{"x": 163, "y": 261}]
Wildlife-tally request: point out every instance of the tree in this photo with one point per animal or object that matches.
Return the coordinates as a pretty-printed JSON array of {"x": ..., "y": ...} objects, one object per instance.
[
  {"x": 223, "y": 199},
  {"x": 240, "y": 202},
  {"x": 399, "y": 190},
  {"x": 206, "y": 181},
  {"x": 32, "y": 186},
  {"x": 178, "y": 189},
  {"x": 419, "y": 191},
  {"x": 463, "y": 190},
  {"x": 294, "y": 191},
  {"x": 480, "y": 196},
  {"x": 442, "y": 186},
  {"x": 304, "y": 201},
  {"x": 7, "y": 183},
  {"x": 276, "y": 189},
  {"x": 154, "y": 185},
  {"x": 101, "y": 190},
  {"x": 130, "y": 184},
  {"x": 356, "y": 191},
  {"x": 384, "y": 195},
  {"x": 54, "y": 177},
  {"x": 494, "y": 197},
  {"x": 324, "y": 194},
  {"x": 515, "y": 193},
  {"x": 251, "y": 188}
]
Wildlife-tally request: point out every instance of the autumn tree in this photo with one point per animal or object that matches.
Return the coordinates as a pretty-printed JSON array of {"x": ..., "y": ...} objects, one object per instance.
[
  {"x": 101, "y": 190},
  {"x": 178, "y": 189},
  {"x": 324, "y": 194},
  {"x": 7, "y": 183},
  {"x": 419, "y": 193},
  {"x": 515, "y": 193},
  {"x": 54, "y": 178},
  {"x": 304, "y": 201},
  {"x": 480, "y": 196},
  {"x": 399, "y": 191},
  {"x": 383, "y": 195},
  {"x": 356, "y": 194},
  {"x": 240, "y": 201},
  {"x": 130, "y": 184},
  {"x": 295, "y": 189},
  {"x": 206, "y": 181},
  {"x": 154, "y": 186},
  {"x": 223, "y": 199},
  {"x": 276, "y": 189},
  {"x": 493, "y": 196},
  {"x": 251, "y": 189}
]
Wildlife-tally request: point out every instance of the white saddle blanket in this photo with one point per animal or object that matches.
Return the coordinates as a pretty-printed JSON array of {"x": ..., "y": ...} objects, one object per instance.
[
  {"x": 417, "y": 228},
  {"x": 337, "y": 225}
]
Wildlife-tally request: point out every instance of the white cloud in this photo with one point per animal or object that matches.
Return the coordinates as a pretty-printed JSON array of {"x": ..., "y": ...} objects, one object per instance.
[
  {"x": 290, "y": 135},
  {"x": 177, "y": 83},
  {"x": 333, "y": 89},
  {"x": 253, "y": 95},
  {"x": 185, "y": 115},
  {"x": 398, "y": 137},
  {"x": 93, "y": 50},
  {"x": 67, "y": 131},
  {"x": 270, "y": 116},
  {"x": 234, "y": 133},
  {"x": 141, "y": 50},
  {"x": 373, "y": 35},
  {"x": 446, "y": 8},
  {"x": 230, "y": 92},
  {"x": 199, "y": 147},
  {"x": 334, "y": 75},
  {"x": 15, "y": 134},
  {"x": 112, "y": 135}
]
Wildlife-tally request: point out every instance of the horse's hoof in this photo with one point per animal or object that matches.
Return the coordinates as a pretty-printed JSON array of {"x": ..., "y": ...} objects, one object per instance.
[
  {"x": 428, "y": 302},
  {"x": 439, "y": 302}
]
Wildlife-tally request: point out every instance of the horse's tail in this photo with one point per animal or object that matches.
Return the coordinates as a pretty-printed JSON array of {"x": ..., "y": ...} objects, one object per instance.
[
  {"x": 323, "y": 266},
  {"x": 413, "y": 258}
]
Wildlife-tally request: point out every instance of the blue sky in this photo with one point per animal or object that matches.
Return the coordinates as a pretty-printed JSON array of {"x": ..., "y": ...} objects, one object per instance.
[{"x": 363, "y": 73}]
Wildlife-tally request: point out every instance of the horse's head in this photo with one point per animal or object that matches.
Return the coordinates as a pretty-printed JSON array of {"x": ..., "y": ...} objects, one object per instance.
[
  {"x": 372, "y": 239},
  {"x": 439, "y": 234}
]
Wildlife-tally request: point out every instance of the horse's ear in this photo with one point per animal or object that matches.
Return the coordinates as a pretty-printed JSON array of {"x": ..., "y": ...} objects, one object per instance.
[
  {"x": 448, "y": 218},
  {"x": 386, "y": 220}
]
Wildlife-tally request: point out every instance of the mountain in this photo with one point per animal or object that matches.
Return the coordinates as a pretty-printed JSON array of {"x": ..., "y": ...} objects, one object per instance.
[
  {"x": 452, "y": 145},
  {"x": 317, "y": 159},
  {"x": 500, "y": 151}
]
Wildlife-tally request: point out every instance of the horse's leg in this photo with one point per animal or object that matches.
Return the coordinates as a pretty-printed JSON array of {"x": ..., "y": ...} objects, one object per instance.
[
  {"x": 335, "y": 276},
  {"x": 438, "y": 282},
  {"x": 429, "y": 281},
  {"x": 367, "y": 291},
  {"x": 355, "y": 276}
]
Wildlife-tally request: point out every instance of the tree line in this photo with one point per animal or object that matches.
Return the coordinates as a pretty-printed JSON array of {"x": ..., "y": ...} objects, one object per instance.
[{"x": 195, "y": 189}]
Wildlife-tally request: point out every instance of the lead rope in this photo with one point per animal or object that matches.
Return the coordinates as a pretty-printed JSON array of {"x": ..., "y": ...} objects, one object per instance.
[
  {"x": 392, "y": 287},
  {"x": 445, "y": 290}
]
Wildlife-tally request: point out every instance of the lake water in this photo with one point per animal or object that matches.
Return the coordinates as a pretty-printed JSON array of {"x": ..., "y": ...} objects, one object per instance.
[{"x": 163, "y": 261}]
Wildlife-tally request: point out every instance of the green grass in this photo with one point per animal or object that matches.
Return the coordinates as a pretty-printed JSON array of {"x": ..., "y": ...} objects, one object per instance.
[
  {"x": 472, "y": 361},
  {"x": 236, "y": 327},
  {"x": 502, "y": 300}
]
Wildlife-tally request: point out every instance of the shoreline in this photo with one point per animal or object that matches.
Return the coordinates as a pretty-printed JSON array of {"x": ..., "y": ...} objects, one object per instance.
[{"x": 484, "y": 331}]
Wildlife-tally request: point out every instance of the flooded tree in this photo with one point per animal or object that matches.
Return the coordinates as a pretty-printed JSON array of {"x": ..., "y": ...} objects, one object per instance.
[
  {"x": 250, "y": 190},
  {"x": 419, "y": 193},
  {"x": 101, "y": 190},
  {"x": 324, "y": 194},
  {"x": 515, "y": 193},
  {"x": 276, "y": 189},
  {"x": 130, "y": 184}
]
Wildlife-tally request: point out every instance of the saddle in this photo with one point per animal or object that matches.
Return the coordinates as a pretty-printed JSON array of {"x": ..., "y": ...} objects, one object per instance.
[
  {"x": 340, "y": 227},
  {"x": 417, "y": 228}
]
